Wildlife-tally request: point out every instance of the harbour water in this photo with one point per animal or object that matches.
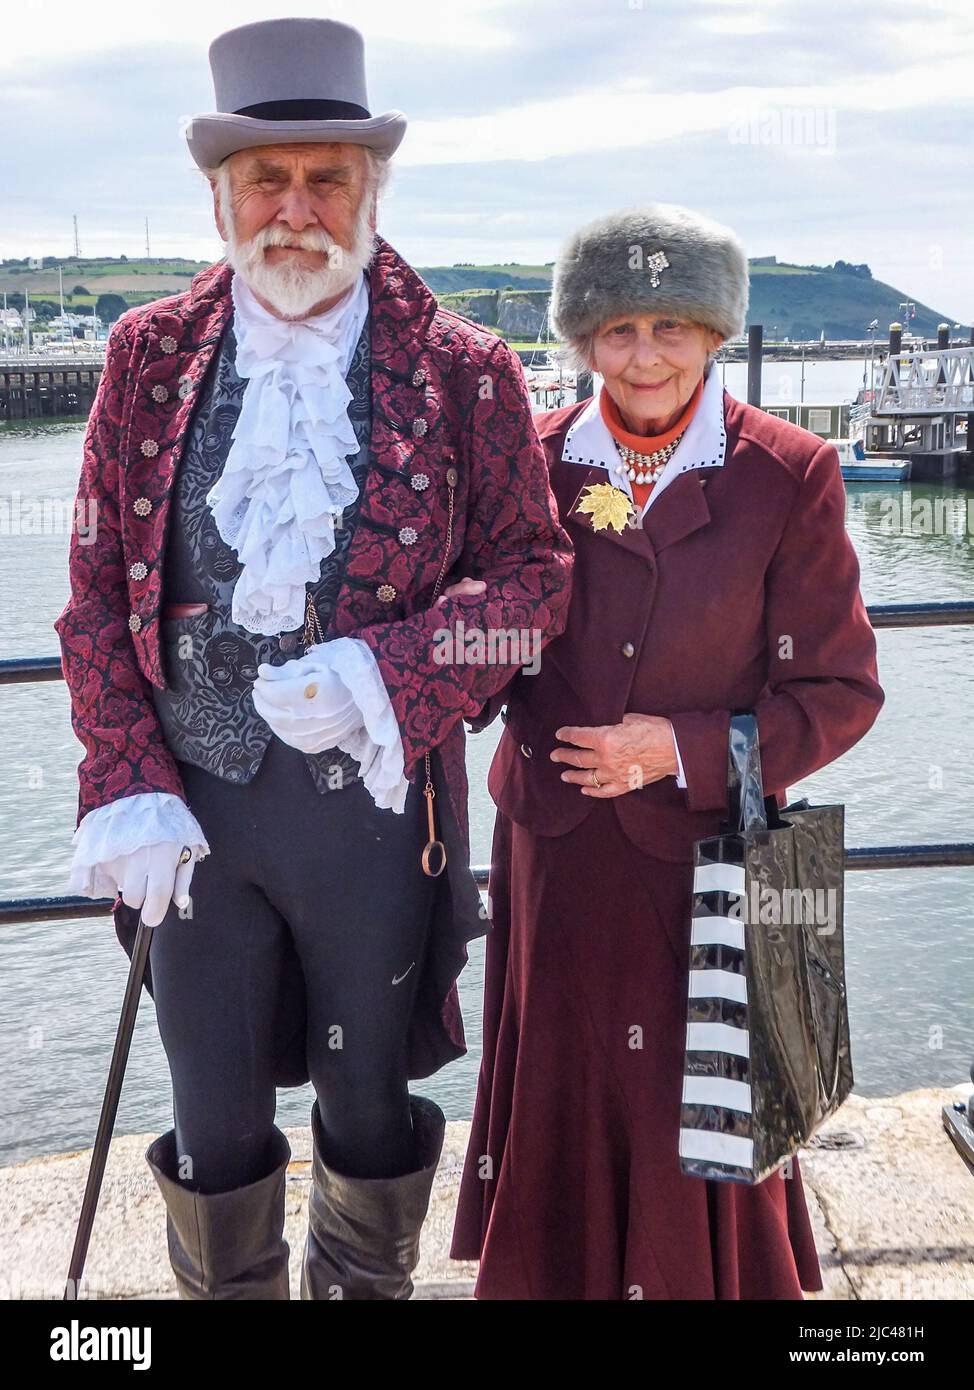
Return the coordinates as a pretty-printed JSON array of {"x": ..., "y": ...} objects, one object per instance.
[{"x": 910, "y": 932}]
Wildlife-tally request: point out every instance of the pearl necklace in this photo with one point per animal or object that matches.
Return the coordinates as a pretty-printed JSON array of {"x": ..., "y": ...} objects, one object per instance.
[{"x": 644, "y": 468}]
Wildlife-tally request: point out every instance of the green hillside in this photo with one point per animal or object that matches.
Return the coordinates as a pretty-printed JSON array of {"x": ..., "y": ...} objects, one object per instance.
[
  {"x": 442, "y": 279},
  {"x": 798, "y": 302},
  {"x": 791, "y": 301}
]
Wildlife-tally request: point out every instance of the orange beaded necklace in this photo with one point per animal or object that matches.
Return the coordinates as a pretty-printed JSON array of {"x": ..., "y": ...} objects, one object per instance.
[{"x": 638, "y": 450}]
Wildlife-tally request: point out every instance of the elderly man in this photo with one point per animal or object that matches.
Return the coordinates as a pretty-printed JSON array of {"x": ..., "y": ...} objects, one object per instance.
[{"x": 287, "y": 461}]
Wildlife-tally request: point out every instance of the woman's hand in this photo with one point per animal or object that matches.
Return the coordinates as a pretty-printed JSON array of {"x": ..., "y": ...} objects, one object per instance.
[
  {"x": 463, "y": 588},
  {"x": 623, "y": 757}
]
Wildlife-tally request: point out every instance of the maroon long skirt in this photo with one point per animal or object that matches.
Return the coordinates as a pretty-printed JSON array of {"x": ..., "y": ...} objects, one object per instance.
[{"x": 572, "y": 1186}]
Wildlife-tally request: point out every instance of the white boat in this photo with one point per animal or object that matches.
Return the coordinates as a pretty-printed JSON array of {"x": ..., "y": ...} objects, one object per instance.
[{"x": 859, "y": 468}]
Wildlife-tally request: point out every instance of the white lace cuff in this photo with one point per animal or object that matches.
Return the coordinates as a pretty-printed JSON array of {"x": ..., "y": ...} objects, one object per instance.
[
  {"x": 377, "y": 747},
  {"x": 125, "y": 825}
]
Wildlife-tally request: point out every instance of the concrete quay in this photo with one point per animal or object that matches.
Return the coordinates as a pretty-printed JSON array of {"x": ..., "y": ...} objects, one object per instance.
[{"x": 891, "y": 1200}]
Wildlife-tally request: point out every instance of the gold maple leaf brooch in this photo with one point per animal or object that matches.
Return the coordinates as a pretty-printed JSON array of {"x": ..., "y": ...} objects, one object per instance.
[{"x": 606, "y": 506}]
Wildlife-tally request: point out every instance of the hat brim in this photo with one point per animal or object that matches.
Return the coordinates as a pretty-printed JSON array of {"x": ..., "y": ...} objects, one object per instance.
[{"x": 215, "y": 135}]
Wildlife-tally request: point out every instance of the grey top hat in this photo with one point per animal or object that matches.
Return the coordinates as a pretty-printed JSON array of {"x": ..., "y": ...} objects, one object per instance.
[
  {"x": 643, "y": 260},
  {"x": 289, "y": 80}
]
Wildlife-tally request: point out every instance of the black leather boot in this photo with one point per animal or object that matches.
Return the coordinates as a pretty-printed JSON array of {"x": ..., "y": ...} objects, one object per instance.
[
  {"x": 363, "y": 1233},
  {"x": 225, "y": 1245}
]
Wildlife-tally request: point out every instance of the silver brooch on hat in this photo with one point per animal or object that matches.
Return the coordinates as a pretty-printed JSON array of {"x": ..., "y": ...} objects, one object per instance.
[{"x": 656, "y": 263}]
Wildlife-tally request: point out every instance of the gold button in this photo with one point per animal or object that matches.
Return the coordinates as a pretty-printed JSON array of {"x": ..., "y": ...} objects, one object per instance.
[
  {"x": 628, "y": 649},
  {"x": 138, "y": 570},
  {"x": 135, "y": 622},
  {"x": 310, "y": 691},
  {"x": 142, "y": 506},
  {"x": 451, "y": 477},
  {"x": 385, "y": 593}
]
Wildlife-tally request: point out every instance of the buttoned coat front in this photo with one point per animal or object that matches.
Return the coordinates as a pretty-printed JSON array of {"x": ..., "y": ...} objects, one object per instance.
[
  {"x": 457, "y": 485},
  {"x": 738, "y": 590}
]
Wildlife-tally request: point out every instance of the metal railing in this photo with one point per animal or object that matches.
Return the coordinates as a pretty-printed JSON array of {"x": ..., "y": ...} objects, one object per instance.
[
  {"x": 23, "y": 670},
  {"x": 915, "y": 382}
]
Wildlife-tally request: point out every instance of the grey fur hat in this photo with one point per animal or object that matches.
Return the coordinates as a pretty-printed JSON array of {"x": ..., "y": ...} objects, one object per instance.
[{"x": 656, "y": 257}]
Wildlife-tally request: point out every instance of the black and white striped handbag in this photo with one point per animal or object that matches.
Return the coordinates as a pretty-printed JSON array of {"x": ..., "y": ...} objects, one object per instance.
[{"x": 767, "y": 1046}]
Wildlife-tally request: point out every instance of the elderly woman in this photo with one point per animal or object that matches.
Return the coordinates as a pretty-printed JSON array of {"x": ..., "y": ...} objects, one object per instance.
[{"x": 713, "y": 573}]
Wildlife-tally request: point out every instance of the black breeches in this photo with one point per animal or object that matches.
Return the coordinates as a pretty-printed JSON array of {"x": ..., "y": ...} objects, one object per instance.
[{"x": 337, "y": 881}]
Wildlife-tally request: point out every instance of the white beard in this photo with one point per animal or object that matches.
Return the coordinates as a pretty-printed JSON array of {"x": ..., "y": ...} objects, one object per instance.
[{"x": 293, "y": 289}]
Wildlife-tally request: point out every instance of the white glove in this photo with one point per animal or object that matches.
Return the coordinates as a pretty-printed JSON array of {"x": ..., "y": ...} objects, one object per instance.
[
  {"x": 109, "y": 835},
  {"x": 152, "y": 877},
  {"x": 306, "y": 703},
  {"x": 350, "y": 709}
]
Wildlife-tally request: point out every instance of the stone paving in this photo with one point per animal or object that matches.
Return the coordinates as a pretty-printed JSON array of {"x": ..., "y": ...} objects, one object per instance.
[{"x": 892, "y": 1206}]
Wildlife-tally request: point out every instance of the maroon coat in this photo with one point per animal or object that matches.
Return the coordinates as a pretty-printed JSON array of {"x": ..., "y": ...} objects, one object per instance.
[
  {"x": 572, "y": 1186},
  {"x": 689, "y": 616},
  {"x": 445, "y": 396}
]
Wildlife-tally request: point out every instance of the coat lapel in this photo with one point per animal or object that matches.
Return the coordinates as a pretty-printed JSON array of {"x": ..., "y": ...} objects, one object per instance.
[
  {"x": 177, "y": 355},
  {"x": 569, "y": 482},
  {"x": 177, "y": 348},
  {"x": 411, "y": 451},
  {"x": 679, "y": 510}
]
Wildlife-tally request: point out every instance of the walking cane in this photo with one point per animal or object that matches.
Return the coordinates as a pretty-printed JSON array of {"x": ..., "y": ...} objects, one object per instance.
[{"x": 109, "y": 1106}]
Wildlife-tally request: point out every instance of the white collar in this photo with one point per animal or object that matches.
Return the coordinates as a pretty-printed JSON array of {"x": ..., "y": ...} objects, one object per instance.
[
  {"x": 286, "y": 479},
  {"x": 703, "y": 445},
  {"x": 266, "y": 334}
]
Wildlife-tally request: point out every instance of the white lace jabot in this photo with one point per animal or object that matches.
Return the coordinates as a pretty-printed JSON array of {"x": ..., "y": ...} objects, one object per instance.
[{"x": 286, "y": 479}]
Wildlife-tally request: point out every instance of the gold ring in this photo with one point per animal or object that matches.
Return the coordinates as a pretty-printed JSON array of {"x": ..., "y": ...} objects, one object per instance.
[
  {"x": 186, "y": 855},
  {"x": 595, "y": 778}
]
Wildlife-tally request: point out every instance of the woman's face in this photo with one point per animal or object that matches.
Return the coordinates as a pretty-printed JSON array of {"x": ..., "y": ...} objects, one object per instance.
[{"x": 651, "y": 364}]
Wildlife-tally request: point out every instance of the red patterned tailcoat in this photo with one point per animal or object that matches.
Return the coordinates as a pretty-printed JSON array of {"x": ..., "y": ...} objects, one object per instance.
[{"x": 446, "y": 397}]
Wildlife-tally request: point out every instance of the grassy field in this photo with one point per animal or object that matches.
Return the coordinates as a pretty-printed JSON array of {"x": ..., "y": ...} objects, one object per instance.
[{"x": 756, "y": 270}]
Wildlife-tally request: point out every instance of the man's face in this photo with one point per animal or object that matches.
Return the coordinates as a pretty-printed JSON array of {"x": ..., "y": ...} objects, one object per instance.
[{"x": 298, "y": 221}]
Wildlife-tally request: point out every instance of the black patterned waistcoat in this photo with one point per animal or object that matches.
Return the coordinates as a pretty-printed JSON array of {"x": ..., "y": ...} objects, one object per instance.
[{"x": 207, "y": 711}]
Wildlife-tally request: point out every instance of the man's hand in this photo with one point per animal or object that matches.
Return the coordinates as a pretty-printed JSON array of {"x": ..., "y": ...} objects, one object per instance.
[
  {"x": 151, "y": 877},
  {"x": 305, "y": 703},
  {"x": 623, "y": 757}
]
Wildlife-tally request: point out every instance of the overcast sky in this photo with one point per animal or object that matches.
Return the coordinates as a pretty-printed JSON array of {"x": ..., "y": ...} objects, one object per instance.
[{"x": 824, "y": 131}]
